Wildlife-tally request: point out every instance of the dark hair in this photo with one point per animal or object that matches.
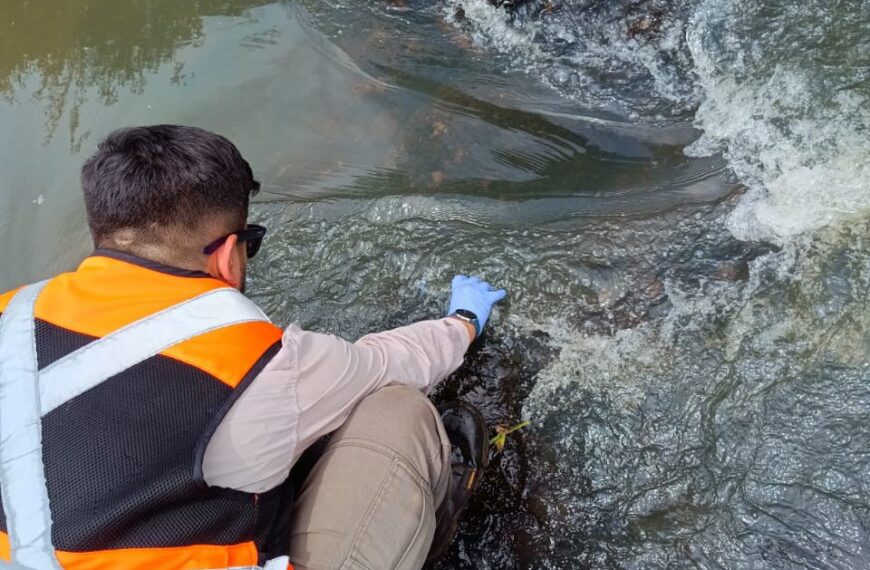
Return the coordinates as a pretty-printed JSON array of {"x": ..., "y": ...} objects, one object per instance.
[{"x": 164, "y": 176}]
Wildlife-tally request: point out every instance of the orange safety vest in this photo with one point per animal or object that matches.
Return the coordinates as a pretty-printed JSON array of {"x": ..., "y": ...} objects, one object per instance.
[{"x": 122, "y": 459}]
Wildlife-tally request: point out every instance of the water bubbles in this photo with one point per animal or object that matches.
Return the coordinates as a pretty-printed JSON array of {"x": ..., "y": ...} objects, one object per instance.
[
  {"x": 623, "y": 57},
  {"x": 737, "y": 369},
  {"x": 794, "y": 130},
  {"x": 779, "y": 89},
  {"x": 560, "y": 77}
]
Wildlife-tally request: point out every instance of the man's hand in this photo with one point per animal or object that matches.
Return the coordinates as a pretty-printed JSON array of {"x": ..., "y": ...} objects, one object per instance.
[{"x": 475, "y": 295}]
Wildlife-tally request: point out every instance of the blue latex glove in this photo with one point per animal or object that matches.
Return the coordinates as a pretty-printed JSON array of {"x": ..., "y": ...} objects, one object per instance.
[{"x": 475, "y": 295}]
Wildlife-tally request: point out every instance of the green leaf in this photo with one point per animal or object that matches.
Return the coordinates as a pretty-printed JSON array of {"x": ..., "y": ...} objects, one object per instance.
[{"x": 499, "y": 440}]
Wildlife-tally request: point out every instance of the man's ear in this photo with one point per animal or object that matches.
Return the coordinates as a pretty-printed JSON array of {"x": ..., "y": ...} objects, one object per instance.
[{"x": 223, "y": 263}]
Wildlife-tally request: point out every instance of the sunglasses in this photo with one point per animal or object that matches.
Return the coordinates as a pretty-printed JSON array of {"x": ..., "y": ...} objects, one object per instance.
[{"x": 252, "y": 236}]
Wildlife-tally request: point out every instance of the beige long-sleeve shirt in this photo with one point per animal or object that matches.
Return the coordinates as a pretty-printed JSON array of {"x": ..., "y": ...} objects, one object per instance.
[{"x": 310, "y": 387}]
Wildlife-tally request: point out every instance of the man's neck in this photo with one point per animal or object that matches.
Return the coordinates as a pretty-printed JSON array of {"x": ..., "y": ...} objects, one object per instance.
[
  {"x": 134, "y": 259},
  {"x": 156, "y": 254}
]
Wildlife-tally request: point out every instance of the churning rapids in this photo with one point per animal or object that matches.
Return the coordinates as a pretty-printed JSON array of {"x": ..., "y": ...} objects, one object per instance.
[
  {"x": 697, "y": 376},
  {"x": 676, "y": 194}
]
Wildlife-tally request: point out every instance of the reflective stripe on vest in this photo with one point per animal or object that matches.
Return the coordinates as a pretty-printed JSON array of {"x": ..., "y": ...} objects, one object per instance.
[
  {"x": 27, "y": 394},
  {"x": 22, "y": 476},
  {"x": 101, "y": 359}
]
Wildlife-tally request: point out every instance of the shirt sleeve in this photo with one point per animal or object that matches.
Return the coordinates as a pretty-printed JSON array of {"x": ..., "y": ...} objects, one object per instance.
[{"x": 309, "y": 389}]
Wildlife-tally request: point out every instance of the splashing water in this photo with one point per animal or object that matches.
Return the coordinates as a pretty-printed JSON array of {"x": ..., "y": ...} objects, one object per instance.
[
  {"x": 729, "y": 432},
  {"x": 781, "y": 89},
  {"x": 607, "y": 55},
  {"x": 787, "y": 99}
]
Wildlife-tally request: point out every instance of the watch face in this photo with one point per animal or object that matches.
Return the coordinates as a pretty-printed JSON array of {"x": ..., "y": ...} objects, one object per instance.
[{"x": 466, "y": 314}]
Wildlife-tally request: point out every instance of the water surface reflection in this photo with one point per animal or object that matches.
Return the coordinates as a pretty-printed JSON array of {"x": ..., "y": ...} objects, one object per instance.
[{"x": 316, "y": 122}]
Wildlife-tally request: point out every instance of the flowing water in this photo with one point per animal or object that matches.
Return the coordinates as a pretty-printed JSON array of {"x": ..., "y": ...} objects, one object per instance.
[{"x": 674, "y": 193}]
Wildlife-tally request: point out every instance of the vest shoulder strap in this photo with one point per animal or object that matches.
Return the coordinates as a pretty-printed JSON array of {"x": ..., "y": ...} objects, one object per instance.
[
  {"x": 22, "y": 475},
  {"x": 101, "y": 359}
]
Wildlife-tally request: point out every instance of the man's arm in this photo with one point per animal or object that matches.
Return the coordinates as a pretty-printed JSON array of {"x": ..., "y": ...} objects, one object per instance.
[
  {"x": 335, "y": 375},
  {"x": 311, "y": 386}
]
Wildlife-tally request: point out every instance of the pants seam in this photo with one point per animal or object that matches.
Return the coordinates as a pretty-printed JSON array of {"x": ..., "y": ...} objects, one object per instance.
[
  {"x": 366, "y": 520},
  {"x": 385, "y": 451},
  {"x": 417, "y": 531}
]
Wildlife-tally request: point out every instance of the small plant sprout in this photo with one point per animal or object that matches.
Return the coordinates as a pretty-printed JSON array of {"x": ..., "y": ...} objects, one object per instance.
[{"x": 500, "y": 437}]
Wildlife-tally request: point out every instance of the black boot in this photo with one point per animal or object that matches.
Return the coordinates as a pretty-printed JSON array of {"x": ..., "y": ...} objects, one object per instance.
[{"x": 470, "y": 454}]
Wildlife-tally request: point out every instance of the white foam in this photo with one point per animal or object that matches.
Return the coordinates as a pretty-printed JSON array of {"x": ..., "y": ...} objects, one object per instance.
[
  {"x": 493, "y": 26},
  {"x": 574, "y": 55},
  {"x": 795, "y": 130},
  {"x": 629, "y": 362},
  {"x": 593, "y": 362},
  {"x": 749, "y": 328},
  {"x": 805, "y": 157}
]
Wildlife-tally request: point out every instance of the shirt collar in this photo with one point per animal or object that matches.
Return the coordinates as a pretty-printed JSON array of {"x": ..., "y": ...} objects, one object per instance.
[{"x": 147, "y": 263}]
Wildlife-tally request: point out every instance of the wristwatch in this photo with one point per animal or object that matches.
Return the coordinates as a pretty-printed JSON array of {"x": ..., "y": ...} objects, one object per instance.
[{"x": 468, "y": 317}]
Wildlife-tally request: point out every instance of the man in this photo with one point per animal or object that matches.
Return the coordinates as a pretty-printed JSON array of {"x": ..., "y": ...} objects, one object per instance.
[{"x": 151, "y": 416}]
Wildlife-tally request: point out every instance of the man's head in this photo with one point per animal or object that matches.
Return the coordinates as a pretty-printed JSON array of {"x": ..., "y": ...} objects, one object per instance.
[{"x": 165, "y": 192}]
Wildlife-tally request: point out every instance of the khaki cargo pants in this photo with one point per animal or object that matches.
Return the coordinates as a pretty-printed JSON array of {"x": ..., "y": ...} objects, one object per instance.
[{"x": 369, "y": 503}]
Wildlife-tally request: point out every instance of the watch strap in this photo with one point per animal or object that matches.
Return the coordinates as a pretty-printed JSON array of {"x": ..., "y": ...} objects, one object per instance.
[{"x": 468, "y": 317}]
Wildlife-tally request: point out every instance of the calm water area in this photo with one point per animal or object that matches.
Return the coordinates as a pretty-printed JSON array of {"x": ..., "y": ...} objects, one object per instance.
[{"x": 676, "y": 194}]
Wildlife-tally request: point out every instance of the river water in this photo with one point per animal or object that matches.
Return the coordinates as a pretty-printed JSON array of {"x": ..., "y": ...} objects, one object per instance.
[{"x": 674, "y": 193}]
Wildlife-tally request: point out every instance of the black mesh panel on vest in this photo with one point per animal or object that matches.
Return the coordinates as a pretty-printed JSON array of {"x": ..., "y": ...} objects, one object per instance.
[
  {"x": 120, "y": 459},
  {"x": 54, "y": 342},
  {"x": 120, "y": 463}
]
